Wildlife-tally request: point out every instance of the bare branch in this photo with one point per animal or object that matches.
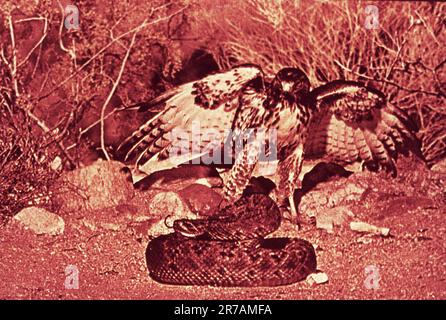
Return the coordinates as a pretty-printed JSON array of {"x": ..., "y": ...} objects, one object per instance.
[
  {"x": 138, "y": 28},
  {"x": 61, "y": 44},
  {"x": 112, "y": 91},
  {"x": 411, "y": 90},
  {"x": 13, "y": 67},
  {"x": 44, "y": 34}
]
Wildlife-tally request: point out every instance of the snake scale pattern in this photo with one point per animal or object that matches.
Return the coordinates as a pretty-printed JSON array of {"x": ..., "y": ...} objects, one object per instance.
[{"x": 229, "y": 249}]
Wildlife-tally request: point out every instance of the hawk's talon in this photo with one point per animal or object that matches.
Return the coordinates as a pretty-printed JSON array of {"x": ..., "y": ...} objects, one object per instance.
[{"x": 288, "y": 215}]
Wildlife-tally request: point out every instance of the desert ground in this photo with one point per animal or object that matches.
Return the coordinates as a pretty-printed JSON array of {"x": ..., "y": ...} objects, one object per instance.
[{"x": 107, "y": 245}]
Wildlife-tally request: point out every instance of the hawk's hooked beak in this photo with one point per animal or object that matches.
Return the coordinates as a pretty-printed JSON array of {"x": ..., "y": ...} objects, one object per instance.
[{"x": 287, "y": 86}]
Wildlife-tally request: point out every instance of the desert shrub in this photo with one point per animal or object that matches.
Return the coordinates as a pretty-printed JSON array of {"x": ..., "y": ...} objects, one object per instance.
[
  {"x": 56, "y": 82},
  {"x": 25, "y": 164}
]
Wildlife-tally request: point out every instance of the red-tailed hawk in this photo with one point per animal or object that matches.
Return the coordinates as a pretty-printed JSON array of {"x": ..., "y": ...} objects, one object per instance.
[{"x": 344, "y": 121}]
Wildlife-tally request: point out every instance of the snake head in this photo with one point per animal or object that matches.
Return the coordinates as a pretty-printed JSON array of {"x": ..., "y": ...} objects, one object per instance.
[{"x": 189, "y": 228}]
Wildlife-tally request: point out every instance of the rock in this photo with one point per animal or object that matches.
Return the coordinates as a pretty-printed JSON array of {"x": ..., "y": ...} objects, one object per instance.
[
  {"x": 313, "y": 202},
  {"x": 177, "y": 178},
  {"x": 317, "y": 278},
  {"x": 129, "y": 209},
  {"x": 399, "y": 205},
  {"x": 111, "y": 226},
  {"x": 364, "y": 240},
  {"x": 368, "y": 228},
  {"x": 349, "y": 192},
  {"x": 329, "y": 218},
  {"x": 168, "y": 204},
  {"x": 41, "y": 221},
  {"x": 319, "y": 200},
  {"x": 141, "y": 229},
  {"x": 157, "y": 216},
  {"x": 204, "y": 181},
  {"x": 90, "y": 225},
  {"x": 139, "y": 219},
  {"x": 56, "y": 164},
  {"x": 200, "y": 199},
  {"x": 99, "y": 186},
  {"x": 327, "y": 225}
]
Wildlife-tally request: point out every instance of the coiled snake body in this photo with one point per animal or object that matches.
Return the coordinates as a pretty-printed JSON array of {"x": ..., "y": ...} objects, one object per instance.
[{"x": 228, "y": 249}]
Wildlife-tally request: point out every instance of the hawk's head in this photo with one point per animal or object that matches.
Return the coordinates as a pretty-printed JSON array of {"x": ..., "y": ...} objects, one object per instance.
[
  {"x": 292, "y": 80},
  {"x": 290, "y": 84}
]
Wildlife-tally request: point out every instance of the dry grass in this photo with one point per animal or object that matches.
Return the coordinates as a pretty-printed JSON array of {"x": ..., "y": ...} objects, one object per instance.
[
  {"x": 405, "y": 56},
  {"x": 25, "y": 162}
]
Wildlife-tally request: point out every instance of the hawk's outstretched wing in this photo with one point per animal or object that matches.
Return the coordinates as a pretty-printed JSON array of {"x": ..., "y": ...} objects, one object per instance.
[
  {"x": 353, "y": 122},
  {"x": 209, "y": 104}
]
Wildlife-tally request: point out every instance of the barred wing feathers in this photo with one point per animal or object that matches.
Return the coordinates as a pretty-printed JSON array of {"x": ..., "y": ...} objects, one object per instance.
[
  {"x": 211, "y": 102},
  {"x": 353, "y": 122}
]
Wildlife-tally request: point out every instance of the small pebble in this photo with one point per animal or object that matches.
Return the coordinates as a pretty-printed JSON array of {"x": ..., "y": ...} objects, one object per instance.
[
  {"x": 317, "y": 278},
  {"x": 40, "y": 221},
  {"x": 368, "y": 228}
]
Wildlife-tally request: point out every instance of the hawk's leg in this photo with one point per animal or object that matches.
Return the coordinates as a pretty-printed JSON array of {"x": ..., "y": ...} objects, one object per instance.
[
  {"x": 289, "y": 171},
  {"x": 241, "y": 171}
]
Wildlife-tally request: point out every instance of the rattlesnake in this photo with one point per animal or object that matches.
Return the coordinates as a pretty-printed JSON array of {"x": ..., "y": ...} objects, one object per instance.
[{"x": 228, "y": 249}]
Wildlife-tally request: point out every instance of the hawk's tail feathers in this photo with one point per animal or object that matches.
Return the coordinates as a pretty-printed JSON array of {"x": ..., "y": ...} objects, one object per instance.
[
  {"x": 394, "y": 134},
  {"x": 399, "y": 126},
  {"x": 381, "y": 154}
]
